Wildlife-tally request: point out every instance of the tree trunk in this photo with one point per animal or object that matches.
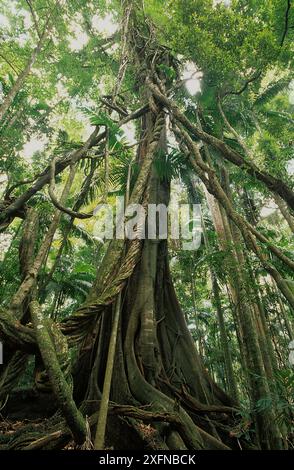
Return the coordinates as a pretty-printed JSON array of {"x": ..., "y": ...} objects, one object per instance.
[
  {"x": 232, "y": 386},
  {"x": 156, "y": 362},
  {"x": 27, "y": 70},
  {"x": 259, "y": 389}
]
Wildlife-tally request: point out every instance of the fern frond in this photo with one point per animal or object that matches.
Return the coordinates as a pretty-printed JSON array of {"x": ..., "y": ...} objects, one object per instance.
[{"x": 271, "y": 91}]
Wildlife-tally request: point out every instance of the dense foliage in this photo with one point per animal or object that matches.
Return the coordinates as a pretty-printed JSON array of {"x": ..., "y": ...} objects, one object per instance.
[{"x": 223, "y": 72}]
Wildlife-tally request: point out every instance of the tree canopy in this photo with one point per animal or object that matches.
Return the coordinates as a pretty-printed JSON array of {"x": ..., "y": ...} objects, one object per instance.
[{"x": 149, "y": 101}]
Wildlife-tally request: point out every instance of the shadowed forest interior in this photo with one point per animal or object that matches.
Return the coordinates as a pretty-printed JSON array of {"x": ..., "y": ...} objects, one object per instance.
[{"x": 146, "y": 342}]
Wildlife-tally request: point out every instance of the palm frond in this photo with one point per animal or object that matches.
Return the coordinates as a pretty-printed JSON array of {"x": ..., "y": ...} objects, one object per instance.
[
  {"x": 286, "y": 117},
  {"x": 272, "y": 90},
  {"x": 171, "y": 165}
]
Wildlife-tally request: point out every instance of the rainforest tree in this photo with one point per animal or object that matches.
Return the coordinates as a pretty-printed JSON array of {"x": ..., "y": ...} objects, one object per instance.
[{"x": 178, "y": 349}]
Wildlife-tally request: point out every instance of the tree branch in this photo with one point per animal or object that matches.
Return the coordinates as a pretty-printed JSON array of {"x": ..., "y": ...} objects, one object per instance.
[
  {"x": 245, "y": 86},
  {"x": 286, "y": 23},
  {"x": 57, "y": 204},
  {"x": 273, "y": 184},
  {"x": 9, "y": 63},
  {"x": 29, "y": 3}
]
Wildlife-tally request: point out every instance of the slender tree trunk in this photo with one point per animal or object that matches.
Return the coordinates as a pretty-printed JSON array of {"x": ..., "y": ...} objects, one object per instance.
[
  {"x": 265, "y": 423},
  {"x": 27, "y": 70},
  {"x": 232, "y": 386},
  {"x": 61, "y": 388},
  {"x": 210, "y": 180},
  {"x": 285, "y": 211},
  {"x": 32, "y": 273},
  {"x": 103, "y": 410}
]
